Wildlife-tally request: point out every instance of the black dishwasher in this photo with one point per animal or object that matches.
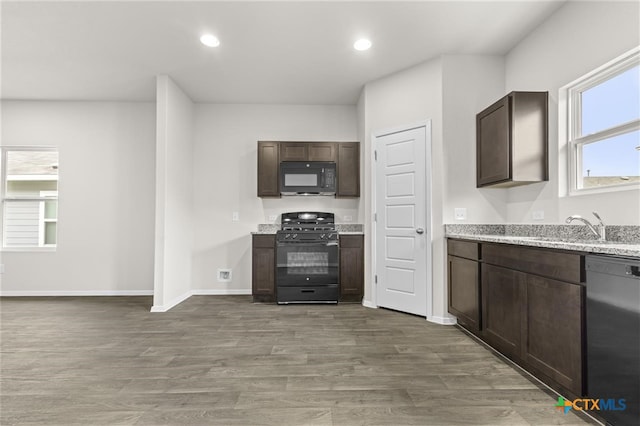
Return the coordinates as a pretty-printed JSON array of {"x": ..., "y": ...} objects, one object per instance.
[{"x": 613, "y": 337}]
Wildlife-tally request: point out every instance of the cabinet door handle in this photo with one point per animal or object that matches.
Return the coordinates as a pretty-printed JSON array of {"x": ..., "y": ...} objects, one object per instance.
[{"x": 420, "y": 231}]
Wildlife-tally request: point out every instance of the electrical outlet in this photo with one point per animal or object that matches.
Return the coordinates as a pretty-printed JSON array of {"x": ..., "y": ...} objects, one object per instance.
[
  {"x": 347, "y": 218},
  {"x": 460, "y": 213},
  {"x": 273, "y": 217},
  {"x": 537, "y": 215},
  {"x": 224, "y": 275},
  {"x": 235, "y": 217}
]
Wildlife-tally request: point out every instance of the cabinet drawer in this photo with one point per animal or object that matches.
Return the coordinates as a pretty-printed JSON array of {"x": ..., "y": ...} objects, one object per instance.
[
  {"x": 548, "y": 263},
  {"x": 264, "y": 241},
  {"x": 464, "y": 249}
]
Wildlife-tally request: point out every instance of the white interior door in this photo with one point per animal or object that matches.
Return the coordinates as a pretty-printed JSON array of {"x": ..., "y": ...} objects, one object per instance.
[{"x": 401, "y": 221}]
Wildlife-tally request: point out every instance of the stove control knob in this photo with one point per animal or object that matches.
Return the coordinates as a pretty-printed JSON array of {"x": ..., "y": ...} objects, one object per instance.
[
  {"x": 287, "y": 236},
  {"x": 322, "y": 236},
  {"x": 294, "y": 236}
]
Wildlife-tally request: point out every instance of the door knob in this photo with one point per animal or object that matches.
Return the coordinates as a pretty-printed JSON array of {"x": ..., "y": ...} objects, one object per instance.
[{"x": 420, "y": 231}]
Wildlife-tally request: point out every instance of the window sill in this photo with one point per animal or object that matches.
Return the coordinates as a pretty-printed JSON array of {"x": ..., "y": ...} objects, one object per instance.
[
  {"x": 28, "y": 249},
  {"x": 604, "y": 190}
]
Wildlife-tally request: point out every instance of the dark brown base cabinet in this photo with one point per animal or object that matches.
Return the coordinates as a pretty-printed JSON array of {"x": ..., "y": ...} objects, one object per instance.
[
  {"x": 351, "y": 268},
  {"x": 464, "y": 283},
  {"x": 263, "y": 286},
  {"x": 502, "y": 309},
  {"x": 532, "y": 308},
  {"x": 263, "y": 277}
]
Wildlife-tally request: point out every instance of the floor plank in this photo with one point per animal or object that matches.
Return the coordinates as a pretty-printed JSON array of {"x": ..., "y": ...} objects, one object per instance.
[{"x": 224, "y": 360}]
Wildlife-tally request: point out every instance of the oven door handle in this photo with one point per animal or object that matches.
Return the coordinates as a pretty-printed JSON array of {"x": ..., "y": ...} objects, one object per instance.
[{"x": 308, "y": 244}]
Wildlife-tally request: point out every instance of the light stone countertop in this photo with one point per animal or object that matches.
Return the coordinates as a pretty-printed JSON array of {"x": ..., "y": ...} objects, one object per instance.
[
  {"x": 551, "y": 236},
  {"x": 342, "y": 228}
]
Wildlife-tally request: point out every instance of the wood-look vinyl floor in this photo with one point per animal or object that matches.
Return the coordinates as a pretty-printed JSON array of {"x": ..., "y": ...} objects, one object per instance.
[{"x": 224, "y": 360}]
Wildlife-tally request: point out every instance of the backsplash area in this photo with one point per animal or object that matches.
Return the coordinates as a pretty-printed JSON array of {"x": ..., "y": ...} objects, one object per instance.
[{"x": 621, "y": 233}]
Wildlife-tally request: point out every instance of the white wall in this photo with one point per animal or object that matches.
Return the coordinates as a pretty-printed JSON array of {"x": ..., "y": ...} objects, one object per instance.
[
  {"x": 578, "y": 38},
  {"x": 470, "y": 84},
  {"x": 406, "y": 98},
  {"x": 174, "y": 195},
  {"x": 225, "y": 181},
  {"x": 106, "y": 208}
]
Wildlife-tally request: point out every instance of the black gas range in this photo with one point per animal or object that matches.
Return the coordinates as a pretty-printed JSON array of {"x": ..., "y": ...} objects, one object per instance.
[{"x": 307, "y": 258}]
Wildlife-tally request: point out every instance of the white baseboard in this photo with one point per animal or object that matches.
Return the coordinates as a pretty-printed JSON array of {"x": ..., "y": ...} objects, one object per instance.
[
  {"x": 201, "y": 292},
  {"x": 222, "y": 292},
  {"x": 57, "y": 293},
  {"x": 368, "y": 304},
  {"x": 171, "y": 304},
  {"x": 443, "y": 320}
]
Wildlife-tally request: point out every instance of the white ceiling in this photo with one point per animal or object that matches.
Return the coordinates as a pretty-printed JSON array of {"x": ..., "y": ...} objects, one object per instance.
[{"x": 271, "y": 52}]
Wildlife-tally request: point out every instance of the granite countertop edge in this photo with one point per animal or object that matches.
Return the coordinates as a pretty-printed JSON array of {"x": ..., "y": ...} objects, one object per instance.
[
  {"x": 618, "y": 249},
  {"x": 342, "y": 228}
]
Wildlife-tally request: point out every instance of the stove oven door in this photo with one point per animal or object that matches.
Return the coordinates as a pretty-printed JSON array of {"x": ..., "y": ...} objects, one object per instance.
[{"x": 307, "y": 272}]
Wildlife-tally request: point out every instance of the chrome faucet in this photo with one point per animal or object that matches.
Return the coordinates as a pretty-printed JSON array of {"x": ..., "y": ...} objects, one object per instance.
[{"x": 599, "y": 232}]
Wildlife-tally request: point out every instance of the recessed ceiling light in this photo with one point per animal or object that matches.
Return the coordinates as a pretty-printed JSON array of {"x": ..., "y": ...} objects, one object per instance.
[
  {"x": 362, "y": 44},
  {"x": 210, "y": 40}
]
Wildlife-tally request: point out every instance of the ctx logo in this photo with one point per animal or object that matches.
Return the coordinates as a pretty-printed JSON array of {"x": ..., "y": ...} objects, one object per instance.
[{"x": 591, "y": 404}]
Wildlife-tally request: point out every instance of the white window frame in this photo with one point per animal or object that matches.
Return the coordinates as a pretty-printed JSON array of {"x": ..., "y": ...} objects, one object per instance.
[
  {"x": 43, "y": 220},
  {"x": 42, "y": 198},
  {"x": 570, "y": 115}
]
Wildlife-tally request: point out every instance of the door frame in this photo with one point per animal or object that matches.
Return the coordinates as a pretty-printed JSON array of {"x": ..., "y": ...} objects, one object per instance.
[{"x": 428, "y": 207}]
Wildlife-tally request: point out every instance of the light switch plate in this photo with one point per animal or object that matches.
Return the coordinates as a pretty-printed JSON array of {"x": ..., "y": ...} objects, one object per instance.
[
  {"x": 348, "y": 218},
  {"x": 537, "y": 215},
  {"x": 460, "y": 213},
  {"x": 273, "y": 217},
  {"x": 235, "y": 217}
]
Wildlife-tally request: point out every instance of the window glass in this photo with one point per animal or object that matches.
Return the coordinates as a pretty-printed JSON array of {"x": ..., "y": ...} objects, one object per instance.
[
  {"x": 615, "y": 101},
  {"x": 50, "y": 209},
  {"x": 30, "y": 199},
  {"x": 611, "y": 161},
  {"x": 50, "y": 229},
  {"x": 30, "y": 172}
]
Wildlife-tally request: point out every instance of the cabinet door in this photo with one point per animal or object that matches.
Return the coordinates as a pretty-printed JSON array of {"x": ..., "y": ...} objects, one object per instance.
[
  {"x": 493, "y": 140},
  {"x": 323, "y": 151},
  {"x": 553, "y": 339},
  {"x": 263, "y": 286},
  {"x": 351, "y": 268},
  {"x": 268, "y": 169},
  {"x": 464, "y": 292},
  {"x": 294, "y": 151},
  {"x": 503, "y": 308},
  {"x": 348, "y": 169}
]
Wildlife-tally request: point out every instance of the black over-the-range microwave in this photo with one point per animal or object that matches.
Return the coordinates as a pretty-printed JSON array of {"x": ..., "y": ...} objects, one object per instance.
[{"x": 307, "y": 178}]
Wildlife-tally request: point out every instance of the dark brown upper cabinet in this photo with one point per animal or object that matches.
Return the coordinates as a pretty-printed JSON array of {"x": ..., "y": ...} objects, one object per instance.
[
  {"x": 323, "y": 151},
  {"x": 348, "y": 170},
  {"x": 346, "y": 155},
  {"x": 268, "y": 174},
  {"x": 512, "y": 139},
  {"x": 294, "y": 151},
  {"x": 308, "y": 151}
]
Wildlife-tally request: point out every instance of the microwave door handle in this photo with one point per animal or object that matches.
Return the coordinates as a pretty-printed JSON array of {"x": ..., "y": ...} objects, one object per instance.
[{"x": 322, "y": 178}]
